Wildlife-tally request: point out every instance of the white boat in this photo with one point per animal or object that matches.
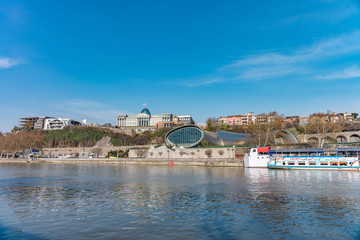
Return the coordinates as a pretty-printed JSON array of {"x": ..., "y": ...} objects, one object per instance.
[
  {"x": 258, "y": 158},
  {"x": 318, "y": 158}
]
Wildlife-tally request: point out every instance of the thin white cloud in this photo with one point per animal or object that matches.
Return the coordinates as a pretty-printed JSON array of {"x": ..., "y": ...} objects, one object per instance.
[
  {"x": 201, "y": 82},
  {"x": 6, "y": 62},
  {"x": 346, "y": 44},
  {"x": 307, "y": 62},
  {"x": 347, "y": 73},
  {"x": 335, "y": 11}
]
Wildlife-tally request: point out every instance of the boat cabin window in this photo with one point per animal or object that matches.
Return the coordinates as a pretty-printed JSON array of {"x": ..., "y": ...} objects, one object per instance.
[
  {"x": 291, "y": 163},
  {"x": 324, "y": 163},
  {"x": 333, "y": 163},
  {"x": 301, "y": 163},
  {"x": 312, "y": 163},
  {"x": 343, "y": 163}
]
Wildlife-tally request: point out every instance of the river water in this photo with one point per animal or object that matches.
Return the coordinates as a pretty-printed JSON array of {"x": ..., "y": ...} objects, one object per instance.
[{"x": 55, "y": 201}]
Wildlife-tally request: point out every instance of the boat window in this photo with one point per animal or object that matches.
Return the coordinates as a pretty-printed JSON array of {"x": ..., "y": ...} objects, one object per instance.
[
  {"x": 312, "y": 163},
  {"x": 301, "y": 163},
  {"x": 323, "y": 163},
  {"x": 333, "y": 163},
  {"x": 343, "y": 164},
  {"x": 283, "y": 163},
  {"x": 291, "y": 163}
]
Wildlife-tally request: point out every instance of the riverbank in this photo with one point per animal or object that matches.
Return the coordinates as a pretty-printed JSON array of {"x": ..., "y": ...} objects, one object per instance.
[{"x": 212, "y": 162}]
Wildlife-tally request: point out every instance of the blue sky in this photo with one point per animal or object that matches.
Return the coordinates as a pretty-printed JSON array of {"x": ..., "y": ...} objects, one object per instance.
[{"x": 97, "y": 59}]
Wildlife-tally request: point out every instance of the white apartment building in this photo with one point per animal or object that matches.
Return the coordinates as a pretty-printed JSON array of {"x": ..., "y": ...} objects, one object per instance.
[
  {"x": 185, "y": 119},
  {"x": 59, "y": 123}
]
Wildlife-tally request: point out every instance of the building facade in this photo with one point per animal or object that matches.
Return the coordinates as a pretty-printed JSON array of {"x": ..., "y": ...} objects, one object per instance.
[
  {"x": 143, "y": 119},
  {"x": 185, "y": 119},
  {"x": 292, "y": 119},
  {"x": 59, "y": 123},
  {"x": 47, "y": 123},
  {"x": 235, "y": 120},
  {"x": 28, "y": 122},
  {"x": 147, "y": 121},
  {"x": 165, "y": 125},
  {"x": 40, "y": 123},
  {"x": 333, "y": 117}
]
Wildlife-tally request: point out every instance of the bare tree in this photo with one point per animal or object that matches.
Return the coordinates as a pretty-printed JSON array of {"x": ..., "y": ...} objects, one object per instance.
[
  {"x": 97, "y": 151},
  {"x": 2, "y": 146},
  {"x": 34, "y": 139},
  {"x": 140, "y": 152},
  {"x": 221, "y": 152},
  {"x": 263, "y": 130},
  {"x": 321, "y": 124},
  {"x": 208, "y": 152}
]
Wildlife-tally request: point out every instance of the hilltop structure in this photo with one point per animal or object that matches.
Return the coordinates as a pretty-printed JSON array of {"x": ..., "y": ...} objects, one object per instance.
[
  {"x": 47, "y": 123},
  {"x": 145, "y": 121},
  {"x": 250, "y": 118}
]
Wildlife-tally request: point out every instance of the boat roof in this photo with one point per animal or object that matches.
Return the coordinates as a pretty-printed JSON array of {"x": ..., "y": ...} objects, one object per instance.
[
  {"x": 308, "y": 150},
  {"x": 312, "y": 150},
  {"x": 349, "y": 149}
]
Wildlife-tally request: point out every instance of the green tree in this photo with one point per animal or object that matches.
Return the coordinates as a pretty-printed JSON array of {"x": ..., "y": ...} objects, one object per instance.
[
  {"x": 15, "y": 129},
  {"x": 210, "y": 126}
]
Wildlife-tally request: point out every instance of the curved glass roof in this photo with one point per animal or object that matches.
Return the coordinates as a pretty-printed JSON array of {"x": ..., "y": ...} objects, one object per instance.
[
  {"x": 191, "y": 135},
  {"x": 187, "y": 136},
  {"x": 286, "y": 137},
  {"x": 146, "y": 111},
  {"x": 224, "y": 138}
]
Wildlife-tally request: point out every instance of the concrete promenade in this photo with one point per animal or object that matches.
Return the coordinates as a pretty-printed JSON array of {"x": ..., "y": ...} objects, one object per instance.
[{"x": 206, "y": 162}]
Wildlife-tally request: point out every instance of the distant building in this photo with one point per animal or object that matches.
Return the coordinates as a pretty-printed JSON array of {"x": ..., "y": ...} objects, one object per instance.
[
  {"x": 40, "y": 123},
  {"x": 59, "y": 123},
  {"x": 328, "y": 117},
  {"x": 292, "y": 119},
  {"x": 347, "y": 117},
  {"x": 146, "y": 121},
  {"x": 222, "y": 120},
  {"x": 234, "y": 120},
  {"x": 237, "y": 119},
  {"x": 165, "y": 125},
  {"x": 47, "y": 123},
  {"x": 143, "y": 119},
  {"x": 333, "y": 117},
  {"x": 248, "y": 118},
  {"x": 185, "y": 119},
  {"x": 28, "y": 122},
  {"x": 304, "y": 120},
  {"x": 262, "y": 119}
]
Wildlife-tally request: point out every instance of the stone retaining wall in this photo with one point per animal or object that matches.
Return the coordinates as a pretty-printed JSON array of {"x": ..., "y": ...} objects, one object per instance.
[{"x": 232, "y": 162}]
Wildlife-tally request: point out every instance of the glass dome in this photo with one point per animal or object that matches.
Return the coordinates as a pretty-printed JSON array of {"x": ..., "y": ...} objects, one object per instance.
[
  {"x": 146, "y": 111},
  {"x": 186, "y": 136}
]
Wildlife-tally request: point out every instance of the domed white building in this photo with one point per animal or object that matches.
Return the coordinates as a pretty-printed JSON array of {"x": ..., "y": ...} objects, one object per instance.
[{"x": 144, "y": 120}]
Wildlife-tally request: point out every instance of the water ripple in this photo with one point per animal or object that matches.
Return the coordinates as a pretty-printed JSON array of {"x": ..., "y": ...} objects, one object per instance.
[{"x": 49, "y": 201}]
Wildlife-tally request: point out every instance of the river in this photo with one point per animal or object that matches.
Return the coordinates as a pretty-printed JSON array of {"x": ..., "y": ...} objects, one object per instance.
[{"x": 65, "y": 201}]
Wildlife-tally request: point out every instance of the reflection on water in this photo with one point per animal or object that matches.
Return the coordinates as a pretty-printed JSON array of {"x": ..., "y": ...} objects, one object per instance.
[{"x": 53, "y": 201}]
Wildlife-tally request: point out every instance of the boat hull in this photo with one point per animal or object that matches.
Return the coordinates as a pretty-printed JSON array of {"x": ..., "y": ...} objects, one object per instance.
[{"x": 314, "y": 167}]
